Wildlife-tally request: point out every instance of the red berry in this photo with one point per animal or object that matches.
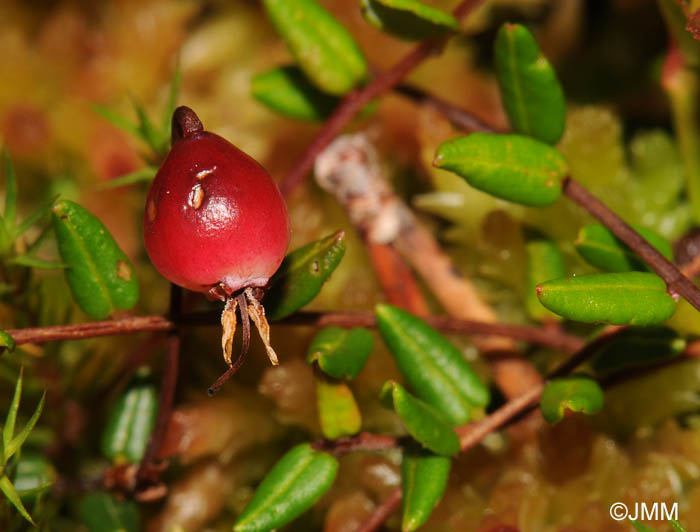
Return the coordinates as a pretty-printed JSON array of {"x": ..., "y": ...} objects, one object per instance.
[{"x": 214, "y": 217}]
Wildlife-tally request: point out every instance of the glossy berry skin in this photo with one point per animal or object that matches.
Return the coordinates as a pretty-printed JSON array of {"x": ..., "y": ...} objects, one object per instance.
[{"x": 214, "y": 216}]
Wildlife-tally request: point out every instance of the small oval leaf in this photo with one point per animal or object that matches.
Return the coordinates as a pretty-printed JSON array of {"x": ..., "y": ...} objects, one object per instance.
[
  {"x": 530, "y": 91},
  {"x": 637, "y": 346},
  {"x": 324, "y": 49},
  {"x": 101, "y": 512},
  {"x": 99, "y": 273},
  {"x": 341, "y": 353},
  {"x": 578, "y": 394},
  {"x": 425, "y": 424},
  {"x": 6, "y": 342},
  {"x": 288, "y": 91},
  {"x": 131, "y": 421},
  {"x": 337, "y": 409},
  {"x": 600, "y": 248},
  {"x": 511, "y": 167},
  {"x": 410, "y": 20},
  {"x": 423, "y": 481},
  {"x": 293, "y": 485},
  {"x": 302, "y": 274},
  {"x": 631, "y": 298},
  {"x": 434, "y": 368},
  {"x": 33, "y": 475},
  {"x": 544, "y": 263}
]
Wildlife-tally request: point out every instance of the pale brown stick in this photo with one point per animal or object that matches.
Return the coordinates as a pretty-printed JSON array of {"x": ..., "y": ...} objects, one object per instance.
[{"x": 350, "y": 170}]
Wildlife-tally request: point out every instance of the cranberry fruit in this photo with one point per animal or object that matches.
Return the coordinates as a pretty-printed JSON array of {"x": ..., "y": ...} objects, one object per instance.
[{"x": 215, "y": 222}]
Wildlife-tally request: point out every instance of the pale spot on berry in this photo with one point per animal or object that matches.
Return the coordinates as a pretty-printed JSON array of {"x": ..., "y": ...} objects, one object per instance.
[
  {"x": 123, "y": 270},
  {"x": 196, "y": 196},
  {"x": 151, "y": 210},
  {"x": 204, "y": 173}
]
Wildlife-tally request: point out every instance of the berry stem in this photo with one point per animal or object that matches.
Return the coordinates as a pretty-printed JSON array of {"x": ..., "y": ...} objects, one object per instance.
[
  {"x": 185, "y": 124},
  {"x": 167, "y": 388}
]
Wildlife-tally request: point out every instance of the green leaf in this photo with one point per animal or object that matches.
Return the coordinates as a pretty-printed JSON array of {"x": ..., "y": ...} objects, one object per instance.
[
  {"x": 288, "y": 91},
  {"x": 130, "y": 422},
  {"x": 6, "y": 342},
  {"x": 8, "y": 489},
  {"x": 101, "y": 512},
  {"x": 637, "y": 346},
  {"x": 511, "y": 167},
  {"x": 423, "y": 480},
  {"x": 33, "y": 474},
  {"x": 293, "y": 485},
  {"x": 425, "y": 424},
  {"x": 341, "y": 353},
  {"x": 8, "y": 430},
  {"x": 658, "y": 170},
  {"x": 117, "y": 120},
  {"x": 600, "y": 248},
  {"x": 324, "y": 49},
  {"x": 578, "y": 394},
  {"x": 544, "y": 263},
  {"x": 45, "y": 234},
  {"x": 17, "y": 442},
  {"x": 301, "y": 275},
  {"x": 530, "y": 91},
  {"x": 641, "y": 527},
  {"x": 434, "y": 368},
  {"x": 171, "y": 104},
  {"x": 10, "y": 212},
  {"x": 146, "y": 127},
  {"x": 33, "y": 218},
  {"x": 409, "y": 19},
  {"x": 676, "y": 526},
  {"x": 630, "y": 298},
  {"x": 144, "y": 175},
  {"x": 99, "y": 273},
  {"x": 337, "y": 409},
  {"x": 6, "y": 239},
  {"x": 34, "y": 262}
]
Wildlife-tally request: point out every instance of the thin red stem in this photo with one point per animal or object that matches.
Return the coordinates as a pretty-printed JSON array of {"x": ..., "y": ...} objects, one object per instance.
[
  {"x": 535, "y": 335},
  {"x": 669, "y": 272},
  {"x": 364, "y": 441},
  {"x": 382, "y": 512},
  {"x": 458, "y": 117}
]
